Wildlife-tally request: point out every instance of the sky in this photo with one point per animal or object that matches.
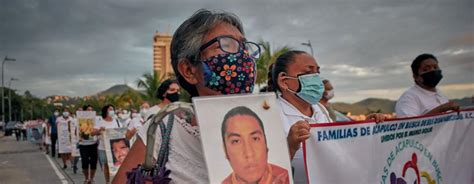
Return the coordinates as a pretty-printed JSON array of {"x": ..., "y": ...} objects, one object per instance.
[{"x": 365, "y": 47}]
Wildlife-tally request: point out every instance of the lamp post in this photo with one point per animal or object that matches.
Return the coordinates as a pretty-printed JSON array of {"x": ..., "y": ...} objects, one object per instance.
[
  {"x": 10, "y": 98},
  {"x": 310, "y": 46},
  {"x": 3, "y": 90}
]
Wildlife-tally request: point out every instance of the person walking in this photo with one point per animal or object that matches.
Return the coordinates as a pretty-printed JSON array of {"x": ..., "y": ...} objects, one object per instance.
[
  {"x": 89, "y": 152},
  {"x": 65, "y": 126},
  {"x": 53, "y": 131},
  {"x": 107, "y": 122}
]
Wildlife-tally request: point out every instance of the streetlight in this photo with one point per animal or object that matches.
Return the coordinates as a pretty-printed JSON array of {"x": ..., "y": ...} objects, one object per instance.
[
  {"x": 3, "y": 90},
  {"x": 10, "y": 98},
  {"x": 310, "y": 46}
]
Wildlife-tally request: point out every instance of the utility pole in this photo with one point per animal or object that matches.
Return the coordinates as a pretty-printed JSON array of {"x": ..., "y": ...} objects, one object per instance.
[
  {"x": 10, "y": 98},
  {"x": 3, "y": 87}
]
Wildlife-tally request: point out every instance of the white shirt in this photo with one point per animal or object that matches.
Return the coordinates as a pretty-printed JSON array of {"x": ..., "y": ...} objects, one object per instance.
[
  {"x": 107, "y": 125},
  {"x": 417, "y": 101},
  {"x": 290, "y": 115},
  {"x": 151, "y": 111},
  {"x": 135, "y": 123},
  {"x": 124, "y": 122},
  {"x": 186, "y": 157}
]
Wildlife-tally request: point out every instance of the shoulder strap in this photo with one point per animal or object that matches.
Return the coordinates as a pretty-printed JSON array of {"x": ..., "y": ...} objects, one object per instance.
[
  {"x": 165, "y": 140},
  {"x": 118, "y": 124},
  {"x": 156, "y": 121}
]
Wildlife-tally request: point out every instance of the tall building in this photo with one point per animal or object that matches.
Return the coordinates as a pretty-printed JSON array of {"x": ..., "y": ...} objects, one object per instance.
[{"x": 161, "y": 54}]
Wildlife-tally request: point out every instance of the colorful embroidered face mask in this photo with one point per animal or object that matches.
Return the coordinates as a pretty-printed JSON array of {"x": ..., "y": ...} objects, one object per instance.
[{"x": 230, "y": 73}]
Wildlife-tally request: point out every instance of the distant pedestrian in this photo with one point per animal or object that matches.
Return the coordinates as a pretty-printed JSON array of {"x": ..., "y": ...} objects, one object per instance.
[
  {"x": 36, "y": 134},
  {"x": 46, "y": 137},
  {"x": 53, "y": 132},
  {"x": 65, "y": 127},
  {"x": 23, "y": 131},
  {"x": 17, "y": 131},
  {"x": 168, "y": 92}
]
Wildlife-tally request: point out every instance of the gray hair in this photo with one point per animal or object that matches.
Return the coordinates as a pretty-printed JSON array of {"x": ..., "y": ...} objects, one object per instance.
[{"x": 188, "y": 39}]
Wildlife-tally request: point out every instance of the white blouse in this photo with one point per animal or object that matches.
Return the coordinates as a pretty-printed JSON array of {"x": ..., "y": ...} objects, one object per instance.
[
  {"x": 186, "y": 157},
  {"x": 290, "y": 115}
]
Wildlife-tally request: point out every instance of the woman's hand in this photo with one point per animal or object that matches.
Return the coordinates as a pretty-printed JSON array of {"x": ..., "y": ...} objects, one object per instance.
[
  {"x": 299, "y": 132},
  {"x": 378, "y": 117},
  {"x": 130, "y": 133}
]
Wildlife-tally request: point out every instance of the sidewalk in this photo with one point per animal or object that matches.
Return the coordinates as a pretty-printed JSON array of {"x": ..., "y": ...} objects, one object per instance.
[{"x": 78, "y": 178}]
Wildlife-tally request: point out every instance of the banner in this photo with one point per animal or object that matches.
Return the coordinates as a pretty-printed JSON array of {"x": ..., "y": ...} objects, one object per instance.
[
  {"x": 75, "y": 139},
  {"x": 86, "y": 121},
  {"x": 65, "y": 134},
  {"x": 116, "y": 148},
  {"x": 423, "y": 150}
]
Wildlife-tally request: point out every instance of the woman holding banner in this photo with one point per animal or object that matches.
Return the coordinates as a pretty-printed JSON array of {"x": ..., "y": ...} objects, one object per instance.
[
  {"x": 107, "y": 122},
  {"x": 199, "y": 49},
  {"x": 88, "y": 149},
  {"x": 65, "y": 125},
  {"x": 299, "y": 89}
]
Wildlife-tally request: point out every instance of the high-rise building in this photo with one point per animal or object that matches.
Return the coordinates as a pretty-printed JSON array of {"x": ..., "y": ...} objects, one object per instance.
[{"x": 161, "y": 54}]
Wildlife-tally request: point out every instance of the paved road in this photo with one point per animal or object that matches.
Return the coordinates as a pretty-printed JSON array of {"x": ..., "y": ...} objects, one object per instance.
[{"x": 23, "y": 163}]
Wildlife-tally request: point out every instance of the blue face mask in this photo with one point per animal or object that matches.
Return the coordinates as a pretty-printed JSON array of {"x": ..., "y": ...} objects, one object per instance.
[
  {"x": 311, "y": 88},
  {"x": 111, "y": 113}
]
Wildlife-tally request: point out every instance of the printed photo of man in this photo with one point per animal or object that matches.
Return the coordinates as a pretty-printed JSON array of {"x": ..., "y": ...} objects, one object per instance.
[
  {"x": 245, "y": 147},
  {"x": 120, "y": 149}
]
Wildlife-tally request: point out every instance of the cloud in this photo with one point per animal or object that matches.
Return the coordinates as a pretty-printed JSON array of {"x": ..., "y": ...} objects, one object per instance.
[
  {"x": 352, "y": 71},
  {"x": 81, "y": 47}
]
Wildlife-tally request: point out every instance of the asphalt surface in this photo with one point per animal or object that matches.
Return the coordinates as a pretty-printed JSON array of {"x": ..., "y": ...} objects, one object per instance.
[{"x": 22, "y": 162}]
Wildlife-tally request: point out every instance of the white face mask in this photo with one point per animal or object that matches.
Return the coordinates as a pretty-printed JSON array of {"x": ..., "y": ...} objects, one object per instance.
[
  {"x": 65, "y": 114},
  {"x": 56, "y": 113},
  {"x": 330, "y": 94},
  {"x": 143, "y": 112},
  {"x": 123, "y": 116}
]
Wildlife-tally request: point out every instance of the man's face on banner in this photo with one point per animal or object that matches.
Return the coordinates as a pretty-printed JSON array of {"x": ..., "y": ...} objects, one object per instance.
[{"x": 246, "y": 148}]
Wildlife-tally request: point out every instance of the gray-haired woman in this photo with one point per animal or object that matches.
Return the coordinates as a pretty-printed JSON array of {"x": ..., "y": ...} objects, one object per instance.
[{"x": 210, "y": 56}]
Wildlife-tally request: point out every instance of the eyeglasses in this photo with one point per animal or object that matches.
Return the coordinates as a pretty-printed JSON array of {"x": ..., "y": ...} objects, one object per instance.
[{"x": 232, "y": 46}]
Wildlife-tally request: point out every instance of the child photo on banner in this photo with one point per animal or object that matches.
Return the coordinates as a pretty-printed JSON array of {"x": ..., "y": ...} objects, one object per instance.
[
  {"x": 243, "y": 139},
  {"x": 116, "y": 148}
]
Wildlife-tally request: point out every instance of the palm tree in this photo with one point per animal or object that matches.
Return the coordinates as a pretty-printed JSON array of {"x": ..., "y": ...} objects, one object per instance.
[
  {"x": 129, "y": 99},
  {"x": 150, "y": 82},
  {"x": 266, "y": 59}
]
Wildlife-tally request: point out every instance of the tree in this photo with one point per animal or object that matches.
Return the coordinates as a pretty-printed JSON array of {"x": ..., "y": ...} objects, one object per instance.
[
  {"x": 267, "y": 57},
  {"x": 150, "y": 82},
  {"x": 129, "y": 99}
]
